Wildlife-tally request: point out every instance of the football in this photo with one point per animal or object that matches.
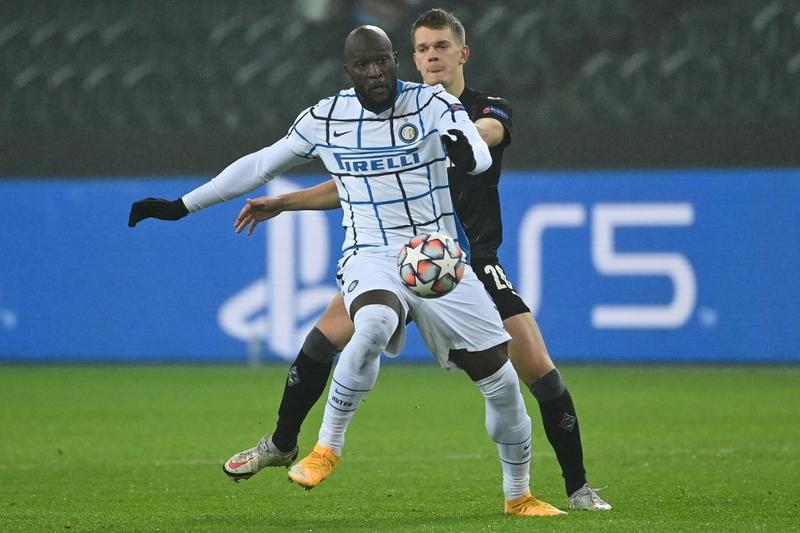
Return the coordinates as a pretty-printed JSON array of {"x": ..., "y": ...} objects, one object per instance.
[{"x": 431, "y": 265}]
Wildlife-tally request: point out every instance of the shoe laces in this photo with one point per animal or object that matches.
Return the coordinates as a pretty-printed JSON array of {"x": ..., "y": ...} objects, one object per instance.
[
  {"x": 598, "y": 489},
  {"x": 592, "y": 493},
  {"x": 320, "y": 459},
  {"x": 262, "y": 447},
  {"x": 524, "y": 501}
]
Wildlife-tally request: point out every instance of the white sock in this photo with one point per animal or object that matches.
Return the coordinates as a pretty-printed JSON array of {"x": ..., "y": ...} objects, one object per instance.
[
  {"x": 509, "y": 426},
  {"x": 356, "y": 372}
]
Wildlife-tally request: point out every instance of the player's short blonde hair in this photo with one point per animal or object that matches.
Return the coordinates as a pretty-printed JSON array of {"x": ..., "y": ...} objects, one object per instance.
[{"x": 439, "y": 19}]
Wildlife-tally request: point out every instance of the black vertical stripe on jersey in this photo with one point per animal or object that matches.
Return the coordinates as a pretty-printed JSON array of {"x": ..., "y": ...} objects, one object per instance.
[
  {"x": 391, "y": 126},
  {"x": 328, "y": 120},
  {"x": 352, "y": 218},
  {"x": 405, "y": 203}
]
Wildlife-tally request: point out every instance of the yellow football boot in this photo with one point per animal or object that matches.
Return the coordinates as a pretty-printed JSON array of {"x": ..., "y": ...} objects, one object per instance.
[
  {"x": 527, "y": 505},
  {"x": 314, "y": 468}
]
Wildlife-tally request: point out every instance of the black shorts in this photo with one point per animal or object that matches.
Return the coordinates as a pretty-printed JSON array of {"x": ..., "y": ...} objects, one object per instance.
[{"x": 500, "y": 289}]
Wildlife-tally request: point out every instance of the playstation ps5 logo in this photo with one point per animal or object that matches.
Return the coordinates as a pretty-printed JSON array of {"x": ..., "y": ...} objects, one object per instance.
[
  {"x": 281, "y": 308},
  {"x": 606, "y": 220}
]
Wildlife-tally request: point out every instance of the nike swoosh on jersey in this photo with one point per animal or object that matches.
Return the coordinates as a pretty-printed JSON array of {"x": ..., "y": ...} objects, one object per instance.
[{"x": 340, "y": 133}]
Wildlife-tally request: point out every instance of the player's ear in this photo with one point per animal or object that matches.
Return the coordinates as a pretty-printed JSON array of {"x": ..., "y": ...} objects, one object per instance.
[
  {"x": 464, "y": 54},
  {"x": 396, "y": 55}
]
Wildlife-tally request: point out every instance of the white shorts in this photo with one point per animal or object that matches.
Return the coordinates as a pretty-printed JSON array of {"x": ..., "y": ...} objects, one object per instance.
[{"x": 465, "y": 319}]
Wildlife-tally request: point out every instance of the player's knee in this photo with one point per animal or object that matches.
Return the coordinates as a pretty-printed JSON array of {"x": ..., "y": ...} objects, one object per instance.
[
  {"x": 508, "y": 432},
  {"x": 318, "y": 347},
  {"x": 374, "y": 326},
  {"x": 548, "y": 387},
  {"x": 335, "y": 323},
  {"x": 480, "y": 365}
]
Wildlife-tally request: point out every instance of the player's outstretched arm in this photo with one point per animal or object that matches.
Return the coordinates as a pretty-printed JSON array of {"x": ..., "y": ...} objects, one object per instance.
[
  {"x": 318, "y": 198},
  {"x": 243, "y": 175}
]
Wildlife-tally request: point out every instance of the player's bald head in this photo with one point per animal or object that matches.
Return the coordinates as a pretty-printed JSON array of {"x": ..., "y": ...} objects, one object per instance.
[
  {"x": 371, "y": 63},
  {"x": 366, "y": 37}
]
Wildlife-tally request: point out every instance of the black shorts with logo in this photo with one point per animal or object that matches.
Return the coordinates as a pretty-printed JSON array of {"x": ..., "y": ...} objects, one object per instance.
[{"x": 500, "y": 289}]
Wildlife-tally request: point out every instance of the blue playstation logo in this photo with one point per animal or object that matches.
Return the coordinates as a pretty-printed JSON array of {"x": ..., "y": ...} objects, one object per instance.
[{"x": 279, "y": 309}]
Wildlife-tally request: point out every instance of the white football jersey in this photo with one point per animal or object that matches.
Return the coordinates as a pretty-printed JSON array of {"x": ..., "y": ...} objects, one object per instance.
[{"x": 390, "y": 168}]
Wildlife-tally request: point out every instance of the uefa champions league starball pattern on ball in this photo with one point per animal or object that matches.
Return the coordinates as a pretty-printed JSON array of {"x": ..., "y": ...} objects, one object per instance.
[{"x": 431, "y": 265}]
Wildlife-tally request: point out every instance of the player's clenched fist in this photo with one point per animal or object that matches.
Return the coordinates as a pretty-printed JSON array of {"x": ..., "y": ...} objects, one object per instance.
[
  {"x": 459, "y": 150},
  {"x": 156, "y": 208}
]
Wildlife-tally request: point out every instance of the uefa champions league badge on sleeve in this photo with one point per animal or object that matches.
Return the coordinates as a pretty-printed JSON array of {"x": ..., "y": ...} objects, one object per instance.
[
  {"x": 408, "y": 132},
  {"x": 492, "y": 110}
]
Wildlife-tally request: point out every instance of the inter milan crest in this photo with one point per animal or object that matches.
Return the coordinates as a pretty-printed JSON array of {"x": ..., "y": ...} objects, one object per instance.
[{"x": 408, "y": 132}]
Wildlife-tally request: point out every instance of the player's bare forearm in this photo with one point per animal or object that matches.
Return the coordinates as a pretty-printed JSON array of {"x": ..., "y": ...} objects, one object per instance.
[
  {"x": 490, "y": 130},
  {"x": 320, "y": 197}
]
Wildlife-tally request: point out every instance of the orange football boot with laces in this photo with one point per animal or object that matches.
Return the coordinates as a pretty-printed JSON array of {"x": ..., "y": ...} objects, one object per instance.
[{"x": 314, "y": 468}]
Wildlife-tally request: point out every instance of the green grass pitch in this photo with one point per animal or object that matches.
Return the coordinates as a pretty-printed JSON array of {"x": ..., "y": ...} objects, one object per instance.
[{"x": 139, "y": 448}]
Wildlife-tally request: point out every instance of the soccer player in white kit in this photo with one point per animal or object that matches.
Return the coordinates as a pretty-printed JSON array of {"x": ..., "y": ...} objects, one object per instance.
[{"x": 386, "y": 142}]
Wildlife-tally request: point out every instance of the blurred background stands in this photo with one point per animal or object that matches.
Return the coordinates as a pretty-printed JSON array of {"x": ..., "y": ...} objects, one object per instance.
[{"x": 244, "y": 66}]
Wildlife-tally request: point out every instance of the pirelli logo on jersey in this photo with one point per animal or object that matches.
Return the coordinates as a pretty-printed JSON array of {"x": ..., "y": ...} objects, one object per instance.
[{"x": 383, "y": 161}]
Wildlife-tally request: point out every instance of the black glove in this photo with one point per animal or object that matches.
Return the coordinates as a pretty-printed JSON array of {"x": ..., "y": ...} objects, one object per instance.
[
  {"x": 156, "y": 208},
  {"x": 459, "y": 151}
]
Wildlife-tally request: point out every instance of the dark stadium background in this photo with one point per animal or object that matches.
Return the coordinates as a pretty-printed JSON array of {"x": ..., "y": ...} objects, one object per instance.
[{"x": 145, "y": 88}]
